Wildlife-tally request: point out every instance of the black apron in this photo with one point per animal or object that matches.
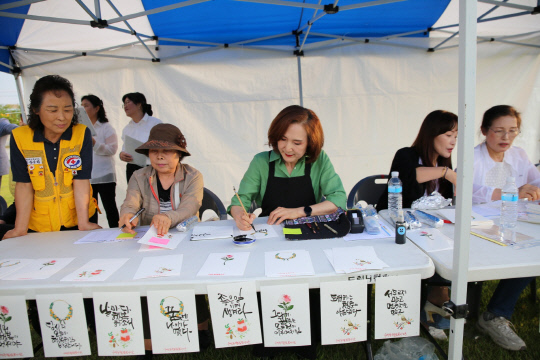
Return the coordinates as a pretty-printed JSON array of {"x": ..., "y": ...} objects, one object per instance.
[{"x": 291, "y": 192}]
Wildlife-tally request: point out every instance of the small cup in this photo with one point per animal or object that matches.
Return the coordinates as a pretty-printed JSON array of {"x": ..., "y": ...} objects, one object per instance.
[{"x": 243, "y": 241}]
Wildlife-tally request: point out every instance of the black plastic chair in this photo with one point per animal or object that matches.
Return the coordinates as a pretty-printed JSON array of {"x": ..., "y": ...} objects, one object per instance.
[
  {"x": 212, "y": 202},
  {"x": 3, "y": 205},
  {"x": 368, "y": 189}
]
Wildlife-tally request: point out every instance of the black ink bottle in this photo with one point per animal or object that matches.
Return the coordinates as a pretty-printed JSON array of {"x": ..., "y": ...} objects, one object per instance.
[{"x": 400, "y": 229}]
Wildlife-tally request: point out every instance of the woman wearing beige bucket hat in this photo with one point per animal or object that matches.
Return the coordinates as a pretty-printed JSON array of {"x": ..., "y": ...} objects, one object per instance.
[{"x": 168, "y": 190}]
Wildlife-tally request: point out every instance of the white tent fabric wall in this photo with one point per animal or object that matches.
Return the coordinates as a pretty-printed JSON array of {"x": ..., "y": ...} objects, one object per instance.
[{"x": 371, "y": 100}]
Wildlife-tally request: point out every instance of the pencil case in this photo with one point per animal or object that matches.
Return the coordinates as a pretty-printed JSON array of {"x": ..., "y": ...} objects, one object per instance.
[{"x": 318, "y": 227}]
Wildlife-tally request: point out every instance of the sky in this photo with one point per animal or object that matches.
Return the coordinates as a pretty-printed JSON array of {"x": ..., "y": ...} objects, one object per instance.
[{"x": 8, "y": 89}]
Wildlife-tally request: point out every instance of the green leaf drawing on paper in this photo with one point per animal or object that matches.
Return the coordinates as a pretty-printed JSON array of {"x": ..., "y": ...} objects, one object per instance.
[
  {"x": 281, "y": 306},
  {"x": 290, "y": 307},
  {"x": 8, "y": 318}
]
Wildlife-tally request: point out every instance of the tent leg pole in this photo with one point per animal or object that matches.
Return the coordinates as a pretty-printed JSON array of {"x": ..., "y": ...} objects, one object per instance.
[
  {"x": 21, "y": 97},
  {"x": 465, "y": 160},
  {"x": 300, "y": 90}
]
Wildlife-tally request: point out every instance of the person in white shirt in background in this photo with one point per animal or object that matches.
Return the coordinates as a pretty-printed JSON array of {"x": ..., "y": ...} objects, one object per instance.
[
  {"x": 138, "y": 128},
  {"x": 5, "y": 131},
  {"x": 105, "y": 145},
  {"x": 495, "y": 160}
]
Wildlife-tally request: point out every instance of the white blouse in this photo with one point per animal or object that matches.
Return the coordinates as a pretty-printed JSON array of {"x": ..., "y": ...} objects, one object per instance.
[
  {"x": 140, "y": 130},
  {"x": 487, "y": 173},
  {"x": 103, "y": 169}
]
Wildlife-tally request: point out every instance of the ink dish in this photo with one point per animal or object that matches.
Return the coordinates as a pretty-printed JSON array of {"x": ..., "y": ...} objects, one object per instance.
[{"x": 243, "y": 241}]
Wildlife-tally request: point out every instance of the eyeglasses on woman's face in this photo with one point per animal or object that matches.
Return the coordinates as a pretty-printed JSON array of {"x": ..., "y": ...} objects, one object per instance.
[{"x": 502, "y": 132}]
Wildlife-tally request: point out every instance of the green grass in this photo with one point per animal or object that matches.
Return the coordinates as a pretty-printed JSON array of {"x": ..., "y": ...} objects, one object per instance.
[{"x": 476, "y": 345}]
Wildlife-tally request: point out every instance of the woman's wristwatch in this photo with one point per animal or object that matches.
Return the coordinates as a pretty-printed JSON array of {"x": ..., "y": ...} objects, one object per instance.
[{"x": 308, "y": 210}]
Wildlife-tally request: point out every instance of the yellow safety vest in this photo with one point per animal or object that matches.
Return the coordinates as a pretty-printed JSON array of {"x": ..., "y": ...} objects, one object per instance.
[{"x": 54, "y": 203}]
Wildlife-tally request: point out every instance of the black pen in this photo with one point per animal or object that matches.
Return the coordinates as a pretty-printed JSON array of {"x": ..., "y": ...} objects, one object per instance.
[{"x": 133, "y": 217}]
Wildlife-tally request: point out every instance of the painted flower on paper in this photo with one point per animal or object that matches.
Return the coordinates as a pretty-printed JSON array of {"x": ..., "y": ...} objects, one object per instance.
[
  {"x": 426, "y": 234},
  {"x": 50, "y": 263},
  {"x": 285, "y": 301},
  {"x": 4, "y": 314},
  {"x": 227, "y": 258}
]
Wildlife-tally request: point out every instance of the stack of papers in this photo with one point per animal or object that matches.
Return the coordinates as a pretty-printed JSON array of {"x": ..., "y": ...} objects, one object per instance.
[
  {"x": 352, "y": 259},
  {"x": 532, "y": 213},
  {"x": 477, "y": 220},
  {"x": 168, "y": 241},
  {"x": 288, "y": 263},
  {"x": 108, "y": 235}
]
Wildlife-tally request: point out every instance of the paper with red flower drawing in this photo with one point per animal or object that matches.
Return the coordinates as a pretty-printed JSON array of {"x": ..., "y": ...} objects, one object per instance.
[
  {"x": 285, "y": 314},
  {"x": 158, "y": 266},
  {"x": 343, "y": 312},
  {"x": 430, "y": 239},
  {"x": 287, "y": 263},
  {"x": 173, "y": 321},
  {"x": 96, "y": 270},
  {"x": 65, "y": 334},
  {"x": 235, "y": 314},
  {"x": 9, "y": 266},
  {"x": 224, "y": 264},
  {"x": 119, "y": 329},
  {"x": 16, "y": 339},
  {"x": 397, "y": 306},
  {"x": 40, "y": 269}
]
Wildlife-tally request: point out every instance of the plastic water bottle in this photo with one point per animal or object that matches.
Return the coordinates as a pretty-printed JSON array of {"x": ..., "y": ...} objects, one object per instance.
[
  {"x": 509, "y": 210},
  {"x": 394, "y": 195}
]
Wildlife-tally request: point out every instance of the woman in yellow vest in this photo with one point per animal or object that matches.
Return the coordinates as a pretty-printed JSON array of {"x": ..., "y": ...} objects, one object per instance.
[{"x": 51, "y": 161}]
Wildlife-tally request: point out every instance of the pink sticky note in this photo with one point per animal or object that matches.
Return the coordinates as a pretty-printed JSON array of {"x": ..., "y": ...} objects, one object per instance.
[
  {"x": 160, "y": 241},
  {"x": 152, "y": 247}
]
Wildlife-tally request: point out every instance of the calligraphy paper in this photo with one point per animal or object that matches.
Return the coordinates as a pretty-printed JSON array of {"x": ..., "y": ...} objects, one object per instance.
[
  {"x": 430, "y": 239},
  {"x": 357, "y": 258},
  {"x": 168, "y": 241},
  {"x": 63, "y": 325},
  {"x": 397, "y": 306},
  {"x": 224, "y": 264},
  {"x": 158, "y": 266},
  {"x": 205, "y": 232},
  {"x": 235, "y": 314},
  {"x": 285, "y": 314},
  {"x": 119, "y": 328},
  {"x": 107, "y": 236},
  {"x": 15, "y": 338},
  {"x": 262, "y": 231},
  {"x": 343, "y": 312},
  {"x": 96, "y": 270},
  {"x": 173, "y": 321},
  {"x": 40, "y": 269},
  {"x": 286, "y": 263},
  {"x": 8, "y": 266}
]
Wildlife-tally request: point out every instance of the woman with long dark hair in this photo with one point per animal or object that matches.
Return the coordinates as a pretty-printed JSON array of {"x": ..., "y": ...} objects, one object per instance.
[
  {"x": 138, "y": 128},
  {"x": 105, "y": 143}
]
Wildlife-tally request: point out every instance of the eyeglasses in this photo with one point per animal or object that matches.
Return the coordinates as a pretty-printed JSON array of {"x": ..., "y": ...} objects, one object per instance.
[
  {"x": 127, "y": 102},
  {"x": 501, "y": 133}
]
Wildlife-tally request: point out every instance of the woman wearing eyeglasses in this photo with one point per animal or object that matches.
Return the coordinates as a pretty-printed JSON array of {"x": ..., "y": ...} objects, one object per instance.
[{"x": 496, "y": 159}]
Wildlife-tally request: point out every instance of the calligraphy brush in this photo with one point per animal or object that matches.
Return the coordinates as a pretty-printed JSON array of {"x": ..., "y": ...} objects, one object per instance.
[{"x": 243, "y": 208}]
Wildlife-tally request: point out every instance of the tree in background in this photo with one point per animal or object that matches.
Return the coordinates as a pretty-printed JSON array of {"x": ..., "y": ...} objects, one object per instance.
[{"x": 10, "y": 112}]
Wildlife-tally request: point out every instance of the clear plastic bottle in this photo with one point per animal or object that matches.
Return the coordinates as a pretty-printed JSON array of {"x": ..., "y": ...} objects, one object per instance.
[
  {"x": 394, "y": 195},
  {"x": 509, "y": 210}
]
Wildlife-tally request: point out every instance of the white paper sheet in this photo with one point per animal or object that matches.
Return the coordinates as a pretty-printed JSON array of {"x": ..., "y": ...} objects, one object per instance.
[
  {"x": 169, "y": 240},
  {"x": 343, "y": 312},
  {"x": 96, "y": 270},
  {"x": 159, "y": 266},
  {"x": 476, "y": 219},
  {"x": 63, "y": 325},
  {"x": 15, "y": 338},
  {"x": 42, "y": 268},
  {"x": 205, "y": 232},
  {"x": 224, "y": 264},
  {"x": 109, "y": 235},
  {"x": 490, "y": 210},
  {"x": 173, "y": 321},
  {"x": 397, "y": 306},
  {"x": 287, "y": 263},
  {"x": 145, "y": 248},
  {"x": 8, "y": 266},
  {"x": 285, "y": 314},
  {"x": 235, "y": 314},
  {"x": 353, "y": 259},
  {"x": 430, "y": 239},
  {"x": 130, "y": 144},
  {"x": 119, "y": 327},
  {"x": 262, "y": 231},
  {"x": 85, "y": 120}
]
